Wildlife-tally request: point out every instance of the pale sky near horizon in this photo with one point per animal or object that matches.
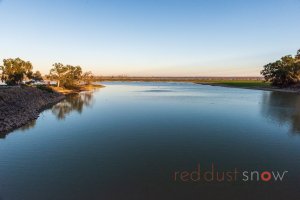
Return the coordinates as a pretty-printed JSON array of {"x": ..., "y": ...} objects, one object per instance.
[{"x": 151, "y": 37}]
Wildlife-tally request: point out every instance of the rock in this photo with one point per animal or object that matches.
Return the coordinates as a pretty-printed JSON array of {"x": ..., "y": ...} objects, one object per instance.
[{"x": 19, "y": 105}]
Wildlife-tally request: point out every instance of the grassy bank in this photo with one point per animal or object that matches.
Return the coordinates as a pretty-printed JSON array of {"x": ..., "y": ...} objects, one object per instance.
[
  {"x": 65, "y": 91},
  {"x": 253, "y": 84},
  {"x": 256, "y": 83},
  {"x": 238, "y": 83}
]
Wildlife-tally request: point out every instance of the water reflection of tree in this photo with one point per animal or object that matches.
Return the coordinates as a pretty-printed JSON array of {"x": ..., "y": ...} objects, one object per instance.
[
  {"x": 283, "y": 108},
  {"x": 29, "y": 125},
  {"x": 74, "y": 102}
]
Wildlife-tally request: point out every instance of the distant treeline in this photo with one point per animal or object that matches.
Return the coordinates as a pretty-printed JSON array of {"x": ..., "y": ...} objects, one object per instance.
[
  {"x": 180, "y": 79},
  {"x": 284, "y": 73}
]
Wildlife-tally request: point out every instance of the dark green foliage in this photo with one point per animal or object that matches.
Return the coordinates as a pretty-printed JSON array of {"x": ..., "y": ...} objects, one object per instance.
[
  {"x": 45, "y": 88},
  {"x": 284, "y": 72},
  {"x": 15, "y": 70},
  {"x": 66, "y": 76},
  {"x": 87, "y": 77},
  {"x": 37, "y": 76}
]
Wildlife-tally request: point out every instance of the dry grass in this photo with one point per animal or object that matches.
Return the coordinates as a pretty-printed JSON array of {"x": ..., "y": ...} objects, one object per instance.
[{"x": 78, "y": 89}]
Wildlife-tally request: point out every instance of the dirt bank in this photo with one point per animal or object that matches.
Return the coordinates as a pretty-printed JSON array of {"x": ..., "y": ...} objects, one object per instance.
[{"x": 20, "y": 105}]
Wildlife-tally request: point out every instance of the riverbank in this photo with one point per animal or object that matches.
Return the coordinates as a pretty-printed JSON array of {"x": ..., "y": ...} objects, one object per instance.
[
  {"x": 21, "y": 104},
  {"x": 82, "y": 88},
  {"x": 253, "y": 85}
]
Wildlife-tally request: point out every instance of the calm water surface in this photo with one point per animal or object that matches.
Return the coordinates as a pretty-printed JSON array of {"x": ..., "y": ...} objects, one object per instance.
[{"x": 126, "y": 140}]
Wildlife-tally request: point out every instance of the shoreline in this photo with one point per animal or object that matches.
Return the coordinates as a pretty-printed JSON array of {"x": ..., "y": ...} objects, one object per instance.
[
  {"x": 216, "y": 83},
  {"x": 20, "y": 105},
  {"x": 270, "y": 88},
  {"x": 82, "y": 88}
]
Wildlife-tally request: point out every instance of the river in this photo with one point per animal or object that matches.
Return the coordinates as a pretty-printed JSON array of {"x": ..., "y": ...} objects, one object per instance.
[{"x": 134, "y": 140}]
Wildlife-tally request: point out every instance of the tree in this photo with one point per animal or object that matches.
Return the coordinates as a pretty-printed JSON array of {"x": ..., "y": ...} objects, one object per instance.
[
  {"x": 72, "y": 76},
  {"x": 15, "y": 70},
  {"x": 66, "y": 76},
  {"x": 283, "y": 72},
  {"x": 57, "y": 73},
  {"x": 297, "y": 57},
  {"x": 37, "y": 76},
  {"x": 87, "y": 77}
]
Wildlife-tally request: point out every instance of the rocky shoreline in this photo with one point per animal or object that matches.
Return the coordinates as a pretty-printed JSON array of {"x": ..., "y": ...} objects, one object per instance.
[{"x": 20, "y": 105}]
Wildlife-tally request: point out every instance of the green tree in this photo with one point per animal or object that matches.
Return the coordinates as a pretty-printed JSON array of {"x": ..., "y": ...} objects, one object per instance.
[
  {"x": 72, "y": 76},
  {"x": 297, "y": 57},
  {"x": 37, "y": 76},
  {"x": 87, "y": 77},
  {"x": 15, "y": 70},
  {"x": 57, "y": 73},
  {"x": 65, "y": 75},
  {"x": 283, "y": 72}
]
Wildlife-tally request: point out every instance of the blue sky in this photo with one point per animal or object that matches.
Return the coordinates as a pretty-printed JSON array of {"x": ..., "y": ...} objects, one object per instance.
[{"x": 151, "y": 37}]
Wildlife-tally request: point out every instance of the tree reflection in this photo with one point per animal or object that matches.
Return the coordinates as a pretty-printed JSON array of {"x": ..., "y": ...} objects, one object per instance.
[
  {"x": 25, "y": 127},
  {"x": 73, "y": 102},
  {"x": 284, "y": 108},
  {"x": 28, "y": 126}
]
